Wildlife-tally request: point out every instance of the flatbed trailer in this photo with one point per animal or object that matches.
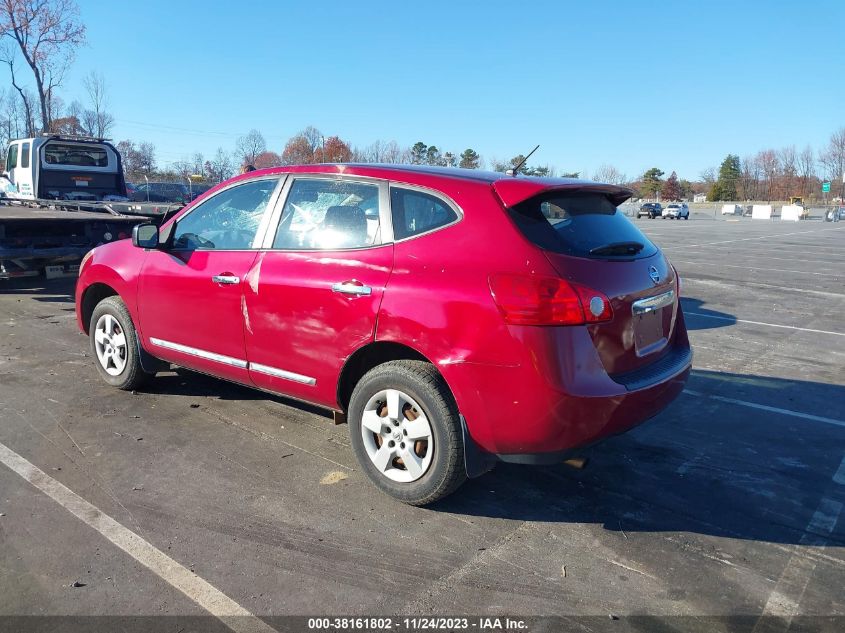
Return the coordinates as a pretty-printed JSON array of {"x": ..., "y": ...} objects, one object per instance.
[{"x": 50, "y": 237}]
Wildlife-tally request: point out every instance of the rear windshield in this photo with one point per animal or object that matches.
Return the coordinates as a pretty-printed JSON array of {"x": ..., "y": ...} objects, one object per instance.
[
  {"x": 582, "y": 224},
  {"x": 76, "y": 155}
]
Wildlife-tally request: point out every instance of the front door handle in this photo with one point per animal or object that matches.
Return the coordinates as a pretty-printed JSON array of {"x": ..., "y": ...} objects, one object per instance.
[
  {"x": 225, "y": 279},
  {"x": 352, "y": 287}
]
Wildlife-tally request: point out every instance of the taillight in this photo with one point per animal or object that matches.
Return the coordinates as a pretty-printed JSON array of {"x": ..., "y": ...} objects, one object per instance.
[
  {"x": 596, "y": 305},
  {"x": 533, "y": 300}
]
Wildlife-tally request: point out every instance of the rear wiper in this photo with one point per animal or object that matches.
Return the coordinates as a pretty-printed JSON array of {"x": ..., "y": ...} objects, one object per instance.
[{"x": 618, "y": 248}]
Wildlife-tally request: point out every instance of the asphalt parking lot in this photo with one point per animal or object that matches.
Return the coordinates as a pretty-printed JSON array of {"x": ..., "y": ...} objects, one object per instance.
[{"x": 727, "y": 504}]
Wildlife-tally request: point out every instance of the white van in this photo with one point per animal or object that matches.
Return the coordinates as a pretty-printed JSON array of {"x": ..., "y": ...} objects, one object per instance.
[{"x": 55, "y": 167}]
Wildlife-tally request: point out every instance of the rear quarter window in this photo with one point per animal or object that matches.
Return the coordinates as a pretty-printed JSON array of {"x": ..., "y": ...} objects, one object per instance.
[
  {"x": 416, "y": 212},
  {"x": 581, "y": 224}
]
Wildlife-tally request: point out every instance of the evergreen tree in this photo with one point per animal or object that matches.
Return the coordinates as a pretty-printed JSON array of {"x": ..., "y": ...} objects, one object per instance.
[
  {"x": 418, "y": 153},
  {"x": 651, "y": 182},
  {"x": 470, "y": 159},
  {"x": 729, "y": 174},
  {"x": 432, "y": 155}
]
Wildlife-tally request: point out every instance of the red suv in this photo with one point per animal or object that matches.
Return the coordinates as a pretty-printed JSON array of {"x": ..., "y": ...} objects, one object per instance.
[{"x": 454, "y": 317}]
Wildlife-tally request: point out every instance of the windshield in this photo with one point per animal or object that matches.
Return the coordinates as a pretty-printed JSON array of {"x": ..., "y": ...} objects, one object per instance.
[{"x": 583, "y": 224}]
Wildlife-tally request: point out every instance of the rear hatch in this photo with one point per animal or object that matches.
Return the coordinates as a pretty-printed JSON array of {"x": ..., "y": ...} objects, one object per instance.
[
  {"x": 589, "y": 242},
  {"x": 79, "y": 170}
]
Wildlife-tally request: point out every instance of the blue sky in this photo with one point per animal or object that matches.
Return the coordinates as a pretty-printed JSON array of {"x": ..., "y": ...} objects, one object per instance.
[{"x": 676, "y": 85}]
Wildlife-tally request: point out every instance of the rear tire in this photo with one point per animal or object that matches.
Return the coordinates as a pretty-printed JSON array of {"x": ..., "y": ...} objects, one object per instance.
[
  {"x": 402, "y": 412},
  {"x": 114, "y": 345}
]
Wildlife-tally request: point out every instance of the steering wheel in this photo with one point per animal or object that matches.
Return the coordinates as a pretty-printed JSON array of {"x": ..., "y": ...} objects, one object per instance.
[
  {"x": 189, "y": 239},
  {"x": 238, "y": 238}
]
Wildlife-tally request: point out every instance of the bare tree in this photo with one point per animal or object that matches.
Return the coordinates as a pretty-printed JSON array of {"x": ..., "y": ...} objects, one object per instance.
[
  {"x": 709, "y": 176},
  {"x": 789, "y": 170},
  {"x": 7, "y": 56},
  {"x": 13, "y": 123},
  {"x": 748, "y": 178},
  {"x": 146, "y": 158},
  {"x": 610, "y": 175},
  {"x": 833, "y": 158},
  {"x": 183, "y": 168},
  {"x": 806, "y": 168},
  {"x": 220, "y": 167},
  {"x": 769, "y": 165},
  {"x": 199, "y": 164},
  {"x": 392, "y": 153},
  {"x": 313, "y": 136},
  {"x": 101, "y": 121},
  {"x": 47, "y": 33},
  {"x": 249, "y": 146}
]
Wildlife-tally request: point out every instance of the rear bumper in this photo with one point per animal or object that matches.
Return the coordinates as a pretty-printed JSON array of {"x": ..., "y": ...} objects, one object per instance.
[{"x": 538, "y": 412}]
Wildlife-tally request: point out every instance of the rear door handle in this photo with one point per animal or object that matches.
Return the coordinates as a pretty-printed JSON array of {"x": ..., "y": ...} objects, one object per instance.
[
  {"x": 225, "y": 279},
  {"x": 352, "y": 287}
]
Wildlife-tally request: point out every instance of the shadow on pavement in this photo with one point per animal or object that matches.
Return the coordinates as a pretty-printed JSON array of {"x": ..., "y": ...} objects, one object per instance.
[
  {"x": 47, "y": 290},
  {"x": 184, "y": 382},
  {"x": 703, "y": 466},
  {"x": 698, "y": 317}
]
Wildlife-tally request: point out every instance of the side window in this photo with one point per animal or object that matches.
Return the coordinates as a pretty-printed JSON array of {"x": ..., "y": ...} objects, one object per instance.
[
  {"x": 12, "y": 158},
  {"x": 416, "y": 212},
  {"x": 322, "y": 214},
  {"x": 228, "y": 221},
  {"x": 25, "y": 155}
]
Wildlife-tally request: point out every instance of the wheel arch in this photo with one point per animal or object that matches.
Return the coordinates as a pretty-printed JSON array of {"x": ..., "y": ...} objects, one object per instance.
[
  {"x": 366, "y": 358},
  {"x": 93, "y": 294}
]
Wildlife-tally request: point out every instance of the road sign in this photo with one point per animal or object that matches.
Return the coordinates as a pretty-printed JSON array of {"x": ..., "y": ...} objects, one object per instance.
[{"x": 825, "y": 187}]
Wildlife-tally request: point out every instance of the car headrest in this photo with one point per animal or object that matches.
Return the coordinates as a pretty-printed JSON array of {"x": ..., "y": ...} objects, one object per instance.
[{"x": 346, "y": 218}]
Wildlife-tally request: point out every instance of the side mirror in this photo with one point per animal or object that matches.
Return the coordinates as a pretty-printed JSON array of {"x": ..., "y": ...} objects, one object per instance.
[{"x": 145, "y": 236}]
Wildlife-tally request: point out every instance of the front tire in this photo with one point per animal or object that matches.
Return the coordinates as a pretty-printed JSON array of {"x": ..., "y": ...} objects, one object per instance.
[
  {"x": 406, "y": 432},
  {"x": 114, "y": 345}
]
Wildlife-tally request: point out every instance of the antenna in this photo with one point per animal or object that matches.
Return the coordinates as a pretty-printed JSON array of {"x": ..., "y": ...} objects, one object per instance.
[{"x": 515, "y": 170}]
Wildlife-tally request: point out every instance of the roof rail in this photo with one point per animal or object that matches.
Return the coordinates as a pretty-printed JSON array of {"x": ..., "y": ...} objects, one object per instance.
[{"x": 74, "y": 137}]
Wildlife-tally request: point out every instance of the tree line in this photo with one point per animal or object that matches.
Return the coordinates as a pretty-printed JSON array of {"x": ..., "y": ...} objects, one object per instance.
[
  {"x": 307, "y": 147},
  {"x": 767, "y": 175}
]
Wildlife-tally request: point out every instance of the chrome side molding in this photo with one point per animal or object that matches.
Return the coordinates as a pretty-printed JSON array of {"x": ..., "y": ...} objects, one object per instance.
[
  {"x": 282, "y": 373},
  {"x": 235, "y": 362},
  {"x": 200, "y": 353}
]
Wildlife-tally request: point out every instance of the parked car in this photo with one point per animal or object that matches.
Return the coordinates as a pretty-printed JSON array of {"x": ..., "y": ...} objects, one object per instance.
[
  {"x": 373, "y": 291},
  {"x": 650, "y": 210},
  {"x": 167, "y": 192},
  {"x": 676, "y": 211},
  {"x": 731, "y": 209}
]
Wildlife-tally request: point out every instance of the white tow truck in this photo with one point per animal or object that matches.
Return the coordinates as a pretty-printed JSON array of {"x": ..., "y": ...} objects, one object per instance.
[{"x": 60, "y": 196}]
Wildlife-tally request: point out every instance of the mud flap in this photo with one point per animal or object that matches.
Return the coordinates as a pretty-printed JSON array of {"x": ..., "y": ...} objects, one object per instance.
[
  {"x": 149, "y": 363},
  {"x": 476, "y": 461}
]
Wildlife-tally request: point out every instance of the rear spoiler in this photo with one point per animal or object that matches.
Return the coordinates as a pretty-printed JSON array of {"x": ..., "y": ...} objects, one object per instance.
[{"x": 511, "y": 191}]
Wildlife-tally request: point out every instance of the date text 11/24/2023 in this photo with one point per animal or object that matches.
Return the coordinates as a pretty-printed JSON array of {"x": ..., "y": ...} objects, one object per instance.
[{"x": 409, "y": 624}]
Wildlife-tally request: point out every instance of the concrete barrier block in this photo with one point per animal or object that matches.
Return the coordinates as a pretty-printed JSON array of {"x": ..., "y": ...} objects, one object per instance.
[
  {"x": 791, "y": 212},
  {"x": 761, "y": 212}
]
